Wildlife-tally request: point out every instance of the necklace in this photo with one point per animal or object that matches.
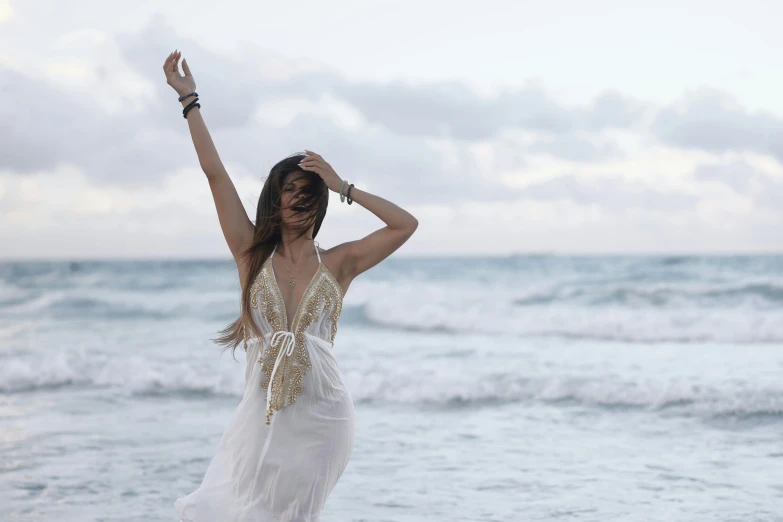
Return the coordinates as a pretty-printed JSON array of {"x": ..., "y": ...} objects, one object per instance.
[{"x": 292, "y": 281}]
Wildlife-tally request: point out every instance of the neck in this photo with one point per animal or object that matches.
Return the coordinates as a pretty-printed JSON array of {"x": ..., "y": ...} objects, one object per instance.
[{"x": 293, "y": 247}]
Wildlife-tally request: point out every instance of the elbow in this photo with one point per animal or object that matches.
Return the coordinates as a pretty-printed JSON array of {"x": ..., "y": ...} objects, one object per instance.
[
  {"x": 213, "y": 172},
  {"x": 412, "y": 226},
  {"x": 210, "y": 174},
  {"x": 406, "y": 227}
]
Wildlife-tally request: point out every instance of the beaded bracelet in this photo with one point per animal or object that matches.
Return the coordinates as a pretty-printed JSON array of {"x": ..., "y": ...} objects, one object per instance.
[
  {"x": 187, "y": 109},
  {"x": 192, "y": 104},
  {"x": 348, "y": 194},
  {"x": 194, "y": 93},
  {"x": 186, "y": 114}
]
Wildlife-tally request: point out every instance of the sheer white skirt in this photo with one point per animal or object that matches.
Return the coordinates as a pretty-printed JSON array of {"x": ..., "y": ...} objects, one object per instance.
[{"x": 283, "y": 471}]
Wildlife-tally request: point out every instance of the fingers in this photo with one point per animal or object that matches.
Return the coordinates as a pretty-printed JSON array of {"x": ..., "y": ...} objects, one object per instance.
[
  {"x": 310, "y": 163},
  {"x": 171, "y": 61},
  {"x": 313, "y": 158},
  {"x": 313, "y": 167},
  {"x": 186, "y": 68},
  {"x": 170, "y": 57},
  {"x": 167, "y": 62}
]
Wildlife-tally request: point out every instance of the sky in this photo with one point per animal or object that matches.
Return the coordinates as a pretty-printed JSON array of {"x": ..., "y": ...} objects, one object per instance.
[{"x": 504, "y": 127}]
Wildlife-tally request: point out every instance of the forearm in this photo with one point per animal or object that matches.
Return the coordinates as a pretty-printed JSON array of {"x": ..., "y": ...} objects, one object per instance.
[
  {"x": 205, "y": 149},
  {"x": 394, "y": 216}
]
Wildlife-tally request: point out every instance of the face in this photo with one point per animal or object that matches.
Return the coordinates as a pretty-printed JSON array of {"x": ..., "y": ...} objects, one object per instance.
[{"x": 291, "y": 196}]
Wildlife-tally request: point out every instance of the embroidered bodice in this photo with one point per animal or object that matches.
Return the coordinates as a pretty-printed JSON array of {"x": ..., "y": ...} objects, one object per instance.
[{"x": 286, "y": 360}]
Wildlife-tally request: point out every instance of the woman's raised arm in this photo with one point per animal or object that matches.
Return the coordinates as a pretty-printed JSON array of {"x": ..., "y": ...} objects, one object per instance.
[
  {"x": 237, "y": 228},
  {"x": 362, "y": 254}
]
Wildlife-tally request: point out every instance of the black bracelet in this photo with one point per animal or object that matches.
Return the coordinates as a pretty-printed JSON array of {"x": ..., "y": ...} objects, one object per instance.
[
  {"x": 192, "y": 104},
  {"x": 188, "y": 108},
  {"x": 348, "y": 194},
  {"x": 194, "y": 93}
]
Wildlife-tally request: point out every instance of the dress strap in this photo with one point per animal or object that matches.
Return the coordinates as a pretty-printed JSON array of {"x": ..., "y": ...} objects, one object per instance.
[{"x": 273, "y": 250}]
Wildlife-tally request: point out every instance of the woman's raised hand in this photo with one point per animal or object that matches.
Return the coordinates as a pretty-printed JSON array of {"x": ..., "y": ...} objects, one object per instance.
[
  {"x": 182, "y": 84},
  {"x": 315, "y": 163}
]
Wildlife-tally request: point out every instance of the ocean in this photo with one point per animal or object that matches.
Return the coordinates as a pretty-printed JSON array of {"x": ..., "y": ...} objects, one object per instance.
[{"x": 519, "y": 388}]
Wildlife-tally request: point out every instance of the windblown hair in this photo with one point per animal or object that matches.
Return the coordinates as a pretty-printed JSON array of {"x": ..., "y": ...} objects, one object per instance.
[{"x": 313, "y": 196}]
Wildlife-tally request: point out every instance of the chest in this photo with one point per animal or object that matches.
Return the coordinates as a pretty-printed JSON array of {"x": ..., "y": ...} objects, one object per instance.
[{"x": 320, "y": 304}]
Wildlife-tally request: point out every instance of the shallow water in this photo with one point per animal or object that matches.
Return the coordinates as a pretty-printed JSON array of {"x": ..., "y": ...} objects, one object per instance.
[{"x": 541, "y": 388}]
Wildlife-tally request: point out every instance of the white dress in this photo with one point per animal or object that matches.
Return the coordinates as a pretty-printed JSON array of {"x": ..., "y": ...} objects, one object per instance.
[{"x": 292, "y": 434}]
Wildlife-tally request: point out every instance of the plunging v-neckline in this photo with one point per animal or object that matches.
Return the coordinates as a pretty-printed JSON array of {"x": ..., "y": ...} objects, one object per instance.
[{"x": 280, "y": 293}]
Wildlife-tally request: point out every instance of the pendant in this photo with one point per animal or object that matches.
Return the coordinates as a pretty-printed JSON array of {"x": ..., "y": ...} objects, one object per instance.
[{"x": 292, "y": 283}]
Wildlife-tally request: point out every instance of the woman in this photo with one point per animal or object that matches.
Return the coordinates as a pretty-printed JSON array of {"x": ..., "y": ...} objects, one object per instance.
[{"x": 292, "y": 434}]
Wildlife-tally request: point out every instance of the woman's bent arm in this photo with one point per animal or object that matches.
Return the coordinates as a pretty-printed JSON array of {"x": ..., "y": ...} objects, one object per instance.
[{"x": 363, "y": 254}]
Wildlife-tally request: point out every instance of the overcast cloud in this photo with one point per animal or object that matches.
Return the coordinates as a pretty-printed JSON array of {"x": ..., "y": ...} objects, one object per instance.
[{"x": 96, "y": 159}]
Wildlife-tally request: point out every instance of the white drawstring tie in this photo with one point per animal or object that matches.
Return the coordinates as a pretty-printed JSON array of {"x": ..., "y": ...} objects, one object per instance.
[{"x": 286, "y": 348}]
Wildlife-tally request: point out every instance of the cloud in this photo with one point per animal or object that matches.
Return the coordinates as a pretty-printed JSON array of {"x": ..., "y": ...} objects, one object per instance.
[
  {"x": 6, "y": 11},
  {"x": 43, "y": 126},
  {"x": 141, "y": 144},
  {"x": 578, "y": 147},
  {"x": 711, "y": 120},
  {"x": 110, "y": 129},
  {"x": 452, "y": 111},
  {"x": 612, "y": 193},
  {"x": 392, "y": 147},
  {"x": 746, "y": 180}
]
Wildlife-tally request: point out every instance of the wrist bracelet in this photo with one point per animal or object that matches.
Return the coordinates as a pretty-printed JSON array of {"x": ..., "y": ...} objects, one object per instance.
[
  {"x": 348, "y": 195},
  {"x": 342, "y": 198},
  {"x": 187, "y": 109},
  {"x": 194, "y": 93}
]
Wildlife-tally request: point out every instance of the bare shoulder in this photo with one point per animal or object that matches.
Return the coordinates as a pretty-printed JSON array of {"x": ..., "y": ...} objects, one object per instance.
[{"x": 335, "y": 260}]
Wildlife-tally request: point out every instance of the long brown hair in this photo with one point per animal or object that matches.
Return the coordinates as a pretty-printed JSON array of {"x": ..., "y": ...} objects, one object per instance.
[{"x": 313, "y": 197}]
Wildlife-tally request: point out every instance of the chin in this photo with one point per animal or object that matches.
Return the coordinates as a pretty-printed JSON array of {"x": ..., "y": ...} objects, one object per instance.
[{"x": 292, "y": 222}]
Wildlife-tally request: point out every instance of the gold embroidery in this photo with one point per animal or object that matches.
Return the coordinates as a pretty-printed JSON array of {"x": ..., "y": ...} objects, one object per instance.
[
  {"x": 324, "y": 290},
  {"x": 256, "y": 287},
  {"x": 274, "y": 311},
  {"x": 329, "y": 293}
]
